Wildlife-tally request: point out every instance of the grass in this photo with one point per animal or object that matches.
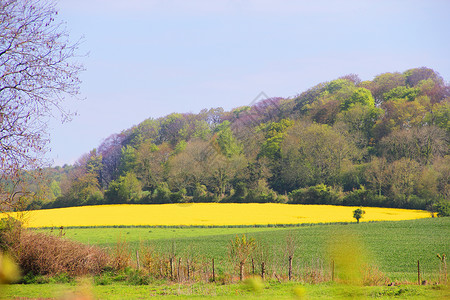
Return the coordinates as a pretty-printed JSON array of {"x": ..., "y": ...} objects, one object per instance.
[
  {"x": 207, "y": 214},
  {"x": 394, "y": 247},
  {"x": 271, "y": 290}
]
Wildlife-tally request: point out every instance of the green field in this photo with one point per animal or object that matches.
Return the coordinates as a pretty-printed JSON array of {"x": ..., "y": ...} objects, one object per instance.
[
  {"x": 271, "y": 290},
  {"x": 394, "y": 247}
]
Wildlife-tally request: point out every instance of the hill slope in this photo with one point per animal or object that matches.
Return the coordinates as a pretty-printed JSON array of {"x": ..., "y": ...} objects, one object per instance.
[{"x": 383, "y": 142}]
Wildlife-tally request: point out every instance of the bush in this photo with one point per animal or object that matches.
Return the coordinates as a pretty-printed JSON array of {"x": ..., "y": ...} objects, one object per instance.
[
  {"x": 50, "y": 255},
  {"x": 442, "y": 208},
  {"x": 44, "y": 254}
]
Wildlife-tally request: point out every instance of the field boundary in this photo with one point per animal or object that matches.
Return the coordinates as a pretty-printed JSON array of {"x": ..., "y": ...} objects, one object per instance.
[{"x": 208, "y": 226}]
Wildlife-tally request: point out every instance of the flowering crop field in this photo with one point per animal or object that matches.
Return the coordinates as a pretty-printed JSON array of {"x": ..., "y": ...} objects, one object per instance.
[{"x": 209, "y": 214}]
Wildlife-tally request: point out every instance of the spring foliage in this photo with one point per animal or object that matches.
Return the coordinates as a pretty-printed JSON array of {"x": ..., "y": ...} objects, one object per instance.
[{"x": 382, "y": 142}]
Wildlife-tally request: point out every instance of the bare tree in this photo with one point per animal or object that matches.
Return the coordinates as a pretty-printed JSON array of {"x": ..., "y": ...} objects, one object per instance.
[{"x": 38, "y": 68}]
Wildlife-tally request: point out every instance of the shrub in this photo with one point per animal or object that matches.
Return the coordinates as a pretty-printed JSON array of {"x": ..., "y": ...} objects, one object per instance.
[
  {"x": 442, "y": 208},
  {"x": 120, "y": 256},
  {"x": 44, "y": 254},
  {"x": 50, "y": 255}
]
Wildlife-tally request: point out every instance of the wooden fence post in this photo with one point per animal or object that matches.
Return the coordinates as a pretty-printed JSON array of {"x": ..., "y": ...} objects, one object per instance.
[
  {"x": 290, "y": 268},
  {"x": 213, "y": 272},
  {"x": 188, "y": 270},
  {"x": 418, "y": 272},
  {"x": 253, "y": 267},
  {"x": 178, "y": 270},
  {"x": 137, "y": 260},
  {"x": 263, "y": 270},
  {"x": 332, "y": 270},
  {"x": 171, "y": 268}
]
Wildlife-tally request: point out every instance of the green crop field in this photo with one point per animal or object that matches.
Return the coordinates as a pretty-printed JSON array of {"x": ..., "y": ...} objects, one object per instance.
[{"x": 394, "y": 247}]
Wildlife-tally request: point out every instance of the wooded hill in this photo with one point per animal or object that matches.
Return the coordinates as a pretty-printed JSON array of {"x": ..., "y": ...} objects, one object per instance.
[{"x": 383, "y": 142}]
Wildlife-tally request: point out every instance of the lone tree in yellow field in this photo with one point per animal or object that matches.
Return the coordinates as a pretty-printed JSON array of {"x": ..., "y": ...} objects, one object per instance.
[{"x": 358, "y": 214}]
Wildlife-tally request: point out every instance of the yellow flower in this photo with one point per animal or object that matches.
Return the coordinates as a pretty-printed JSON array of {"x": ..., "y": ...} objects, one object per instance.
[{"x": 208, "y": 214}]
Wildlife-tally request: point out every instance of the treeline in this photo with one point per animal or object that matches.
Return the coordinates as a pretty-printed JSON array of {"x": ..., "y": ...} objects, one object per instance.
[{"x": 383, "y": 142}]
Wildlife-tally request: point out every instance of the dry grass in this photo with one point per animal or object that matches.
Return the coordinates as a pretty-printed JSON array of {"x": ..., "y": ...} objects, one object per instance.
[{"x": 372, "y": 276}]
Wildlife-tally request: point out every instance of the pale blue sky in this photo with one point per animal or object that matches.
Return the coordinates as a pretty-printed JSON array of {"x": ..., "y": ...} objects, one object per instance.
[{"x": 151, "y": 58}]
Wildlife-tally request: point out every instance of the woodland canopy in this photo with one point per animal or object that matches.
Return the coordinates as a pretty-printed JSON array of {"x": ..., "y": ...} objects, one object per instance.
[{"x": 383, "y": 142}]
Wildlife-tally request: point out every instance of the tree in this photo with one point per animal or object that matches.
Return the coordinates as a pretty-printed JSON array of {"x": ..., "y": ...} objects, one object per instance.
[
  {"x": 403, "y": 177},
  {"x": 274, "y": 133},
  {"x": 384, "y": 83},
  {"x": 360, "y": 95},
  {"x": 358, "y": 214},
  {"x": 240, "y": 250},
  {"x": 37, "y": 71},
  {"x": 226, "y": 141},
  {"x": 422, "y": 144},
  {"x": 127, "y": 159},
  {"x": 377, "y": 174},
  {"x": 124, "y": 190},
  {"x": 314, "y": 154}
]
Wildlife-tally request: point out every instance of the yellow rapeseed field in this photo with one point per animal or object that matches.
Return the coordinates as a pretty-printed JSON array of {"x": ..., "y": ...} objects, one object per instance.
[{"x": 209, "y": 214}]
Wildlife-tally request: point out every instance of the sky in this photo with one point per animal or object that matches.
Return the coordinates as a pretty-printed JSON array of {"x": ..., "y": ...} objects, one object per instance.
[{"x": 149, "y": 58}]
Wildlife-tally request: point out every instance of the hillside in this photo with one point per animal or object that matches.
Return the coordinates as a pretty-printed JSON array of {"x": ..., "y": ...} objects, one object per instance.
[{"x": 383, "y": 142}]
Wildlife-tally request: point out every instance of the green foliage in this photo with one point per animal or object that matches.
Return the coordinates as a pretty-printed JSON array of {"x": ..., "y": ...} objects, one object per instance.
[
  {"x": 124, "y": 190},
  {"x": 358, "y": 214},
  {"x": 402, "y": 92},
  {"x": 161, "y": 194},
  {"x": 274, "y": 134},
  {"x": 202, "y": 130},
  {"x": 338, "y": 85},
  {"x": 442, "y": 208},
  {"x": 318, "y": 194},
  {"x": 127, "y": 159},
  {"x": 228, "y": 145},
  {"x": 179, "y": 147},
  {"x": 440, "y": 116},
  {"x": 360, "y": 95},
  {"x": 56, "y": 189},
  {"x": 364, "y": 197}
]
